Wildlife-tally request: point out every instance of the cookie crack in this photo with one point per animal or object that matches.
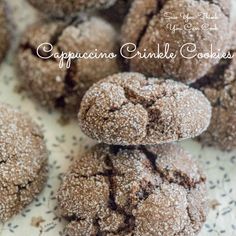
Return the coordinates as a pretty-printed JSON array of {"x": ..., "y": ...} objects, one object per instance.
[
  {"x": 54, "y": 38},
  {"x": 128, "y": 218},
  {"x": 53, "y": 41},
  {"x": 69, "y": 85},
  {"x": 150, "y": 156},
  {"x": 159, "y": 5},
  {"x": 3, "y": 161},
  {"x": 29, "y": 182},
  {"x": 216, "y": 80},
  {"x": 145, "y": 103},
  {"x": 112, "y": 203},
  {"x": 148, "y": 105},
  {"x": 216, "y": 77},
  {"x": 179, "y": 177}
]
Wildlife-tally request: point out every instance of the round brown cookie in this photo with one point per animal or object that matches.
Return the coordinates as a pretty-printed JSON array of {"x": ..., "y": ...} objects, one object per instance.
[
  {"x": 150, "y": 23},
  {"x": 219, "y": 86},
  {"x": 130, "y": 109},
  {"x": 4, "y": 33},
  {"x": 23, "y": 161},
  {"x": 135, "y": 191},
  {"x": 63, "y": 8},
  {"x": 64, "y": 87}
]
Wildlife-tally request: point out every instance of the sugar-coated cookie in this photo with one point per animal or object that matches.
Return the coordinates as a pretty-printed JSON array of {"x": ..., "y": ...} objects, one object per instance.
[
  {"x": 186, "y": 28},
  {"x": 23, "y": 161},
  {"x": 64, "y": 88},
  {"x": 117, "y": 191},
  {"x": 130, "y": 109}
]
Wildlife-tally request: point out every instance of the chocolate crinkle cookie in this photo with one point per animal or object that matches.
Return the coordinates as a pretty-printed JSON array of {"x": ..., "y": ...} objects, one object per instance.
[
  {"x": 64, "y": 87},
  {"x": 219, "y": 86},
  {"x": 152, "y": 23},
  {"x": 4, "y": 32},
  {"x": 130, "y": 109},
  {"x": 64, "y": 8},
  {"x": 117, "y": 191},
  {"x": 23, "y": 161}
]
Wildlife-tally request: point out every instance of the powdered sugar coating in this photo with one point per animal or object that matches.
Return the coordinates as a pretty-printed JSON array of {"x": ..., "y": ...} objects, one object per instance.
[
  {"x": 63, "y": 8},
  {"x": 61, "y": 87},
  {"x": 147, "y": 26},
  {"x": 23, "y": 161},
  {"x": 130, "y": 109},
  {"x": 125, "y": 191},
  {"x": 4, "y": 33},
  {"x": 219, "y": 86}
]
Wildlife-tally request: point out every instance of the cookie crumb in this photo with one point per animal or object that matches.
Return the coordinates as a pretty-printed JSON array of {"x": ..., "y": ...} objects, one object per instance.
[{"x": 37, "y": 221}]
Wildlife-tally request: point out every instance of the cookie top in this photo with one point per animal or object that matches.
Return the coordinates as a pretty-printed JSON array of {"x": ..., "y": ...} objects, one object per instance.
[
  {"x": 136, "y": 191},
  {"x": 130, "y": 109},
  {"x": 23, "y": 161},
  {"x": 151, "y": 23},
  {"x": 4, "y": 33},
  {"x": 63, "y": 8},
  {"x": 64, "y": 88},
  {"x": 219, "y": 86}
]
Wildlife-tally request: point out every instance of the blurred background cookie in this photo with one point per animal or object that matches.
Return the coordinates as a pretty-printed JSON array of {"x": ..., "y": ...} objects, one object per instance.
[
  {"x": 23, "y": 161},
  {"x": 4, "y": 31},
  {"x": 64, "y": 87},
  {"x": 219, "y": 86},
  {"x": 151, "y": 23},
  {"x": 135, "y": 191},
  {"x": 64, "y": 8},
  {"x": 130, "y": 109}
]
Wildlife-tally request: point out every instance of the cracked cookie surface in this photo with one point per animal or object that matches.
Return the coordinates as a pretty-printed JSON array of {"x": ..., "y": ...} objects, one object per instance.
[
  {"x": 4, "y": 32},
  {"x": 130, "y": 109},
  {"x": 219, "y": 86},
  {"x": 151, "y": 23},
  {"x": 63, "y": 88},
  {"x": 23, "y": 161},
  {"x": 63, "y": 8},
  {"x": 117, "y": 191}
]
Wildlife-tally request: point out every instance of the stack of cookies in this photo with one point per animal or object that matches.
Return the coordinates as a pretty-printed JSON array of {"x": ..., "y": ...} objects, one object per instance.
[{"x": 137, "y": 182}]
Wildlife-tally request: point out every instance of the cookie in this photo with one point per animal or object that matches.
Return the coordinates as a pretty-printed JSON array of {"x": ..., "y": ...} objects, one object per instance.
[
  {"x": 117, "y": 191},
  {"x": 130, "y": 109},
  {"x": 63, "y": 88},
  {"x": 163, "y": 26},
  {"x": 23, "y": 161},
  {"x": 64, "y": 8},
  {"x": 219, "y": 86},
  {"x": 4, "y": 32}
]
